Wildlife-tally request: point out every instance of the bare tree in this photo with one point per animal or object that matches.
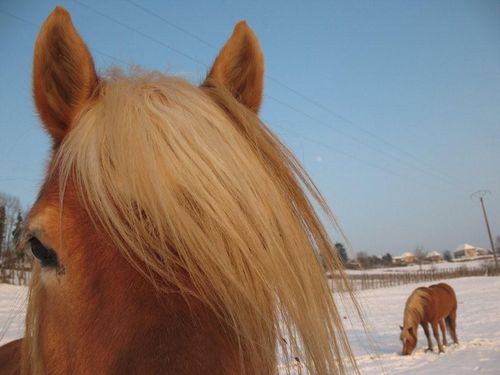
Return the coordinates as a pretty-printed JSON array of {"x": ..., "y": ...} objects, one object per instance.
[
  {"x": 420, "y": 255},
  {"x": 363, "y": 259},
  {"x": 10, "y": 208},
  {"x": 2, "y": 227}
]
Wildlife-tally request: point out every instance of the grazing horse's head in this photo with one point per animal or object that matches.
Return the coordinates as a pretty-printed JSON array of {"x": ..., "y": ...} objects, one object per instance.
[
  {"x": 172, "y": 231},
  {"x": 409, "y": 339}
]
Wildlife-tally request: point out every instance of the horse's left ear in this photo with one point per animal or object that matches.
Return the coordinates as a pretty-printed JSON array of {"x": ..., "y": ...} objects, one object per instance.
[
  {"x": 240, "y": 67},
  {"x": 401, "y": 327},
  {"x": 64, "y": 76}
]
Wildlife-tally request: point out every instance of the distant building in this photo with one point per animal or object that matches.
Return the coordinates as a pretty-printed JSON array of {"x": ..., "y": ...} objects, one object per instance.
[
  {"x": 434, "y": 256},
  {"x": 480, "y": 251},
  {"x": 405, "y": 258},
  {"x": 353, "y": 264},
  {"x": 468, "y": 251}
]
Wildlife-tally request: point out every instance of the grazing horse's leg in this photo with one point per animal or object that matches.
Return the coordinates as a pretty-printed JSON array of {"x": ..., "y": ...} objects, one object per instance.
[
  {"x": 435, "y": 330},
  {"x": 425, "y": 326},
  {"x": 443, "y": 331},
  {"x": 452, "y": 325}
]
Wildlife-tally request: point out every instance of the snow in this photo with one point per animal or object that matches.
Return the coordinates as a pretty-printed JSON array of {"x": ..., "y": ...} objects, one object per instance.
[
  {"x": 478, "y": 329},
  {"x": 12, "y": 311}
]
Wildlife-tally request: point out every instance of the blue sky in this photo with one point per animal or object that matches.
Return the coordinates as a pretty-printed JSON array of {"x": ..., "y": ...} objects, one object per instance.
[{"x": 393, "y": 107}]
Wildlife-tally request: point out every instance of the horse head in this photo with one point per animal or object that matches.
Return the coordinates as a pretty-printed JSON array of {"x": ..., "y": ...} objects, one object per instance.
[
  {"x": 94, "y": 307},
  {"x": 173, "y": 231},
  {"x": 408, "y": 337}
]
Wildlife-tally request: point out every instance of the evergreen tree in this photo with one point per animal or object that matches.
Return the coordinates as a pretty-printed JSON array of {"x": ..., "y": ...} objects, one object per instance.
[
  {"x": 18, "y": 228},
  {"x": 341, "y": 252},
  {"x": 387, "y": 259},
  {"x": 447, "y": 256}
]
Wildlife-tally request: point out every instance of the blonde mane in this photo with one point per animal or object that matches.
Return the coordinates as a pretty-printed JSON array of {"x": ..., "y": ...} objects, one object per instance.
[
  {"x": 415, "y": 307},
  {"x": 202, "y": 199}
]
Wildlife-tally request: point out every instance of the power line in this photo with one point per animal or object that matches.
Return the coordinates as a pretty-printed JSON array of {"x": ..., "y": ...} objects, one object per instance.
[
  {"x": 144, "y": 35},
  {"x": 181, "y": 29},
  {"x": 355, "y": 139},
  {"x": 311, "y": 101},
  {"x": 353, "y": 124},
  {"x": 24, "y": 20},
  {"x": 271, "y": 97},
  {"x": 355, "y": 158}
]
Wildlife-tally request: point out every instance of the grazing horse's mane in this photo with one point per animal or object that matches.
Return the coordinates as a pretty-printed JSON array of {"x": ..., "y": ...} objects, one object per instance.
[
  {"x": 415, "y": 307},
  {"x": 203, "y": 200}
]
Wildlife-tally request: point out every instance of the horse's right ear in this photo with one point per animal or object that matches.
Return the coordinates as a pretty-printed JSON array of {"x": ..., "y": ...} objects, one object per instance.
[
  {"x": 240, "y": 67},
  {"x": 64, "y": 76},
  {"x": 401, "y": 327}
]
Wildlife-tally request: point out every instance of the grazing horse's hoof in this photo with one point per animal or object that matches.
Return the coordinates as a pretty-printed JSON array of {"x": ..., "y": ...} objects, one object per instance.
[{"x": 429, "y": 350}]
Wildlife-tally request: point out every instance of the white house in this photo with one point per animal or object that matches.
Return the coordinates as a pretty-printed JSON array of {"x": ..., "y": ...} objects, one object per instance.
[
  {"x": 434, "y": 256},
  {"x": 465, "y": 251},
  {"x": 405, "y": 258},
  {"x": 481, "y": 251}
]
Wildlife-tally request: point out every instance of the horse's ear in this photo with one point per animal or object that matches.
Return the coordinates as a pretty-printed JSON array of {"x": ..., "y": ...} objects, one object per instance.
[
  {"x": 401, "y": 327},
  {"x": 64, "y": 76},
  {"x": 240, "y": 67}
]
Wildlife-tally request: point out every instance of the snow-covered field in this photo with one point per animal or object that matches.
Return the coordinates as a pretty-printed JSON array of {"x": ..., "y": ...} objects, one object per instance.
[
  {"x": 478, "y": 329},
  {"x": 12, "y": 311}
]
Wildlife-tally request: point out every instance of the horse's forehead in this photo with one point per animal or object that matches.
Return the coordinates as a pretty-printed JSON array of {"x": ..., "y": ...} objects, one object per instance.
[
  {"x": 405, "y": 333},
  {"x": 43, "y": 220}
]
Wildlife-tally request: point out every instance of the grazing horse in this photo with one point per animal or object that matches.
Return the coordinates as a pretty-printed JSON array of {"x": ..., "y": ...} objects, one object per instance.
[
  {"x": 174, "y": 233},
  {"x": 436, "y": 304}
]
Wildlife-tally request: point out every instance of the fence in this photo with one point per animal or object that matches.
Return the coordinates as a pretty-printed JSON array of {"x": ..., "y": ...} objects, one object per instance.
[
  {"x": 373, "y": 280},
  {"x": 19, "y": 275}
]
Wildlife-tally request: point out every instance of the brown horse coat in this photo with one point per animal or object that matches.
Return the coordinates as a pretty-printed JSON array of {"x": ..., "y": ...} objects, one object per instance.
[
  {"x": 10, "y": 357},
  {"x": 442, "y": 302}
]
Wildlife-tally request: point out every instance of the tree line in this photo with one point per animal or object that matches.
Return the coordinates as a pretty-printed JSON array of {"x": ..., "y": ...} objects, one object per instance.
[
  {"x": 363, "y": 260},
  {"x": 11, "y": 230},
  {"x": 12, "y": 218}
]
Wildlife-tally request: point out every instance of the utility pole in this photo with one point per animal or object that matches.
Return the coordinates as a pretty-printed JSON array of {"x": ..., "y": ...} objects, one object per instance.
[{"x": 480, "y": 194}]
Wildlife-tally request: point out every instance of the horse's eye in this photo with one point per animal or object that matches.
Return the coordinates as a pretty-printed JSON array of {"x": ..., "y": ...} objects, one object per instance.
[{"x": 47, "y": 257}]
